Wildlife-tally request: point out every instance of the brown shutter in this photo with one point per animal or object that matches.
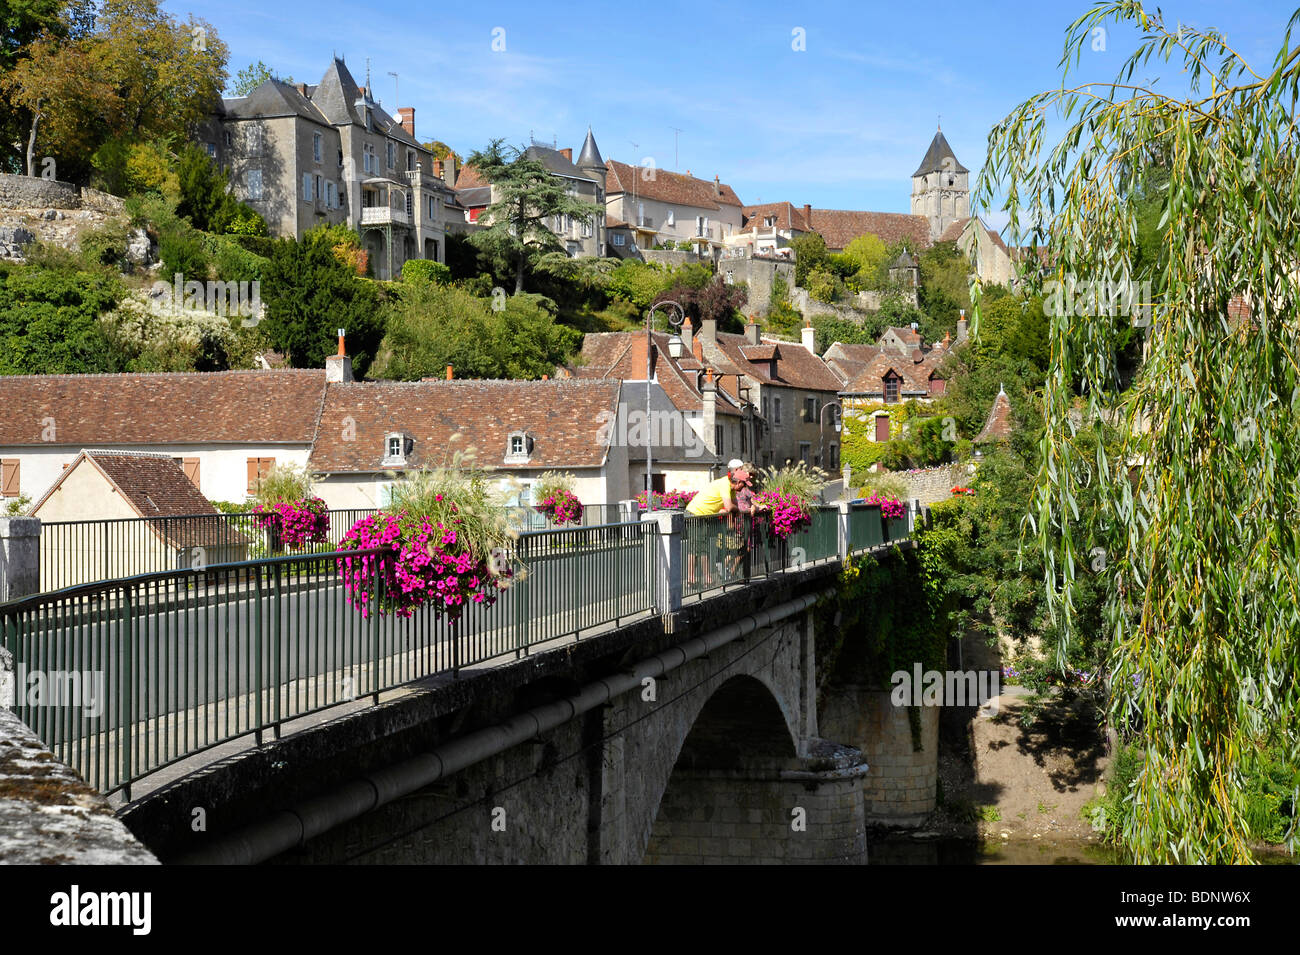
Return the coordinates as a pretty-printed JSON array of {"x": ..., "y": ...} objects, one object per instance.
[
  {"x": 191, "y": 466},
  {"x": 10, "y": 478},
  {"x": 882, "y": 427},
  {"x": 252, "y": 475}
]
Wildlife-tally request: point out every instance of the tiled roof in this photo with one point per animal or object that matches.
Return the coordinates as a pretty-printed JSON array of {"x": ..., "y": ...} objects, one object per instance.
[
  {"x": 908, "y": 335},
  {"x": 556, "y": 162},
  {"x": 563, "y": 418},
  {"x": 469, "y": 177},
  {"x": 787, "y": 217},
  {"x": 475, "y": 197},
  {"x": 231, "y": 407},
  {"x": 796, "y": 368},
  {"x": 998, "y": 425},
  {"x": 957, "y": 227},
  {"x": 621, "y": 355},
  {"x": 839, "y": 227},
  {"x": 665, "y": 186},
  {"x": 871, "y": 381}
]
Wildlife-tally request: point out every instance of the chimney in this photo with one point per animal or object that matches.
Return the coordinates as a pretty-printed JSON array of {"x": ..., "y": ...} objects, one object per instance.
[
  {"x": 709, "y": 331},
  {"x": 302, "y": 88},
  {"x": 709, "y": 395},
  {"x": 751, "y": 332},
  {"x": 338, "y": 368},
  {"x": 688, "y": 336},
  {"x": 807, "y": 215},
  {"x": 450, "y": 373},
  {"x": 567, "y": 153},
  {"x": 406, "y": 116},
  {"x": 449, "y": 171},
  {"x": 961, "y": 327},
  {"x": 717, "y": 186},
  {"x": 809, "y": 337}
]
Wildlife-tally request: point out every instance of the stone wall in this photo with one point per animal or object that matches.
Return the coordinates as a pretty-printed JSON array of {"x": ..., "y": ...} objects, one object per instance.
[
  {"x": 751, "y": 817},
  {"x": 27, "y": 192},
  {"x": 932, "y": 485},
  {"x": 102, "y": 202},
  {"x": 900, "y": 789},
  {"x": 47, "y": 814},
  {"x": 670, "y": 257},
  {"x": 863, "y": 301},
  {"x": 758, "y": 274}
]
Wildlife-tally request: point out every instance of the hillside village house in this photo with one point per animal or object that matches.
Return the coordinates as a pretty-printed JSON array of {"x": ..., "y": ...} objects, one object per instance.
[
  {"x": 585, "y": 180},
  {"x": 305, "y": 156},
  {"x": 897, "y": 369},
  {"x": 655, "y": 206},
  {"x": 770, "y": 395}
]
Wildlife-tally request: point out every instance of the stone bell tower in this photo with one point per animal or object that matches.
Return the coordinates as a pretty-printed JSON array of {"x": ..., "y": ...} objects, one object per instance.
[{"x": 940, "y": 187}]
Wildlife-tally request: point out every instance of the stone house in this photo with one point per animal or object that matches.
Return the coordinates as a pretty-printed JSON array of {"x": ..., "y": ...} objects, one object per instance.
[
  {"x": 101, "y": 485},
  {"x": 305, "y": 156},
  {"x": 585, "y": 180},
  {"x": 663, "y": 207}
]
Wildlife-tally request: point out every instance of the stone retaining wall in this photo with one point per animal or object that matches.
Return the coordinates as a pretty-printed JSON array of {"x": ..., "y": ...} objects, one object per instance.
[
  {"x": 27, "y": 192},
  {"x": 933, "y": 485}
]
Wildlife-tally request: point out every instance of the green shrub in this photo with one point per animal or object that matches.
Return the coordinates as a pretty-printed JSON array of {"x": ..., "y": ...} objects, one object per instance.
[
  {"x": 105, "y": 247},
  {"x": 425, "y": 270},
  {"x": 183, "y": 251}
]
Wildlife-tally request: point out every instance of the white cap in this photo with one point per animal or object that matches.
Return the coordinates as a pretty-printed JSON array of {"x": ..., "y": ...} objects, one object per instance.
[{"x": 735, "y": 463}]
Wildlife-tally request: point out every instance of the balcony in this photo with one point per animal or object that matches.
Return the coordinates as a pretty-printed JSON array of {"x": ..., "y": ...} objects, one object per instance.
[{"x": 383, "y": 215}]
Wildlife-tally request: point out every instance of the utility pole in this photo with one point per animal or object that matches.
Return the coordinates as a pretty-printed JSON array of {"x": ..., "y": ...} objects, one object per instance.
[
  {"x": 397, "y": 92},
  {"x": 676, "y": 133}
]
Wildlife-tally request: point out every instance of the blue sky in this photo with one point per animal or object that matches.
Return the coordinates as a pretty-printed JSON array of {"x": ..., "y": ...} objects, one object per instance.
[{"x": 841, "y": 123}]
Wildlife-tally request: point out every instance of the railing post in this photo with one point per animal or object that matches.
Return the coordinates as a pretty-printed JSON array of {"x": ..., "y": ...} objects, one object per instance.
[
  {"x": 842, "y": 528},
  {"x": 669, "y": 563},
  {"x": 20, "y": 557}
]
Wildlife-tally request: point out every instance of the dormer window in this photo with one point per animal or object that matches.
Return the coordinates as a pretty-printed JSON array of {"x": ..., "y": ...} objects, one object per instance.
[
  {"x": 892, "y": 381},
  {"x": 397, "y": 447},
  {"x": 519, "y": 447}
]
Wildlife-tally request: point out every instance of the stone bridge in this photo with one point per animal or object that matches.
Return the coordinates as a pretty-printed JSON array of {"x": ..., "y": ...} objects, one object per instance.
[{"x": 708, "y": 735}]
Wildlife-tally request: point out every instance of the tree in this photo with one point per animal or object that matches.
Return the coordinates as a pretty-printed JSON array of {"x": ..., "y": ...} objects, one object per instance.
[
  {"x": 717, "y": 301},
  {"x": 869, "y": 257},
  {"x": 431, "y": 326},
  {"x": 1196, "y": 516},
  {"x": 50, "y": 321},
  {"x": 308, "y": 293},
  {"x": 205, "y": 196},
  {"x": 137, "y": 75},
  {"x": 528, "y": 194},
  {"x": 809, "y": 254},
  {"x": 253, "y": 76}
]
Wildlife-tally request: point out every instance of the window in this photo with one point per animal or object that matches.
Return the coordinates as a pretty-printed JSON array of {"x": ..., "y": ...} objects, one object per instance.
[
  {"x": 191, "y": 468},
  {"x": 834, "y": 456},
  {"x": 410, "y": 204},
  {"x": 769, "y": 221},
  {"x": 805, "y": 452},
  {"x": 410, "y": 160},
  {"x": 253, "y": 179},
  {"x": 586, "y": 228},
  {"x": 516, "y": 444},
  {"x": 671, "y": 218},
  {"x": 719, "y": 439},
  {"x": 617, "y": 238},
  {"x": 306, "y": 187},
  {"x": 340, "y": 159},
  {"x": 212, "y": 150},
  {"x": 391, "y": 155},
  {"x": 368, "y": 157},
  {"x": 776, "y": 410},
  {"x": 396, "y": 447},
  {"x": 315, "y": 146},
  {"x": 229, "y": 139},
  {"x": 258, "y": 468},
  {"x": 701, "y": 225},
  {"x": 320, "y": 194},
  {"x": 891, "y": 389},
  {"x": 810, "y": 409},
  {"x": 10, "y": 482},
  {"x": 331, "y": 195},
  {"x": 256, "y": 140}
]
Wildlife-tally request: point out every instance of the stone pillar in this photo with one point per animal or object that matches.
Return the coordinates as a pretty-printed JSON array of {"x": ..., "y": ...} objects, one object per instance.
[
  {"x": 670, "y": 558},
  {"x": 842, "y": 522},
  {"x": 20, "y": 557}
]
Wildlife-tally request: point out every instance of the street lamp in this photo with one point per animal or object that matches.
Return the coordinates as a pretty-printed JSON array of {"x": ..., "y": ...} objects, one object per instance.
[
  {"x": 821, "y": 425},
  {"x": 676, "y": 320}
]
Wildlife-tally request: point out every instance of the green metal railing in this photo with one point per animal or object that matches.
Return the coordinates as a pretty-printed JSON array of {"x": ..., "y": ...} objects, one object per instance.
[
  {"x": 720, "y": 551},
  {"x": 81, "y": 552},
  {"x": 122, "y": 678},
  {"x": 866, "y": 528}
]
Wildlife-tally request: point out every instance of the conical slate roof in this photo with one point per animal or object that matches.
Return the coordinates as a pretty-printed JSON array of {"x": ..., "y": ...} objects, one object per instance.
[
  {"x": 336, "y": 94},
  {"x": 934, "y": 156},
  {"x": 590, "y": 155}
]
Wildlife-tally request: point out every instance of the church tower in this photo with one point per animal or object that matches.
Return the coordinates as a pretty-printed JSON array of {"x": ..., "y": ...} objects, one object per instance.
[{"x": 940, "y": 187}]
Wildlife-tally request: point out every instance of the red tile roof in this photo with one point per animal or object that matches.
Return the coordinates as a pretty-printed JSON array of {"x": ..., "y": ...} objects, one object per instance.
[
  {"x": 564, "y": 418},
  {"x": 621, "y": 355},
  {"x": 796, "y": 367},
  {"x": 839, "y": 227},
  {"x": 665, "y": 186},
  {"x": 787, "y": 217},
  {"x": 226, "y": 407}
]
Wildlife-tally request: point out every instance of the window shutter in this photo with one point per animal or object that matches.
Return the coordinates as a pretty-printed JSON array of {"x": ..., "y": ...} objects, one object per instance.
[
  {"x": 9, "y": 476},
  {"x": 882, "y": 427},
  {"x": 252, "y": 475},
  {"x": 191, "y": 466}
]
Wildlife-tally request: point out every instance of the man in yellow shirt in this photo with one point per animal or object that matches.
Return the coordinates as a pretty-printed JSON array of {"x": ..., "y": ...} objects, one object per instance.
[{"x": 717, "y": 498}]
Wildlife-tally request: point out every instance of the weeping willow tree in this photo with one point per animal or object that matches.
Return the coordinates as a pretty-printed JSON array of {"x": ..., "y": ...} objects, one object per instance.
[{"x": 1197, "y": 533}]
